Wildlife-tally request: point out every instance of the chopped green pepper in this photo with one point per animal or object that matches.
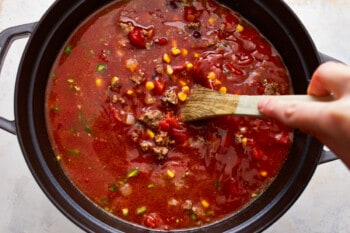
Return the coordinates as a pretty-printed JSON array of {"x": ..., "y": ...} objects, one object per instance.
[
  {"x": 101, "y": 67},
  {"x": 132, "y": 173},
  {"x": 56, "y": 109},
  {"x": 88, "y": 129},
  {"x": 74, "y": 152},
  {"x": 141, "y": 210},
  {"x": 68, "y": 49},
  {"x": 113, "y": 188}
]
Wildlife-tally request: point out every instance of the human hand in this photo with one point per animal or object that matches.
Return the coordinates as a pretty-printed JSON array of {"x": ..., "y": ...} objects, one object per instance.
[{"x": 327, "y": 121}]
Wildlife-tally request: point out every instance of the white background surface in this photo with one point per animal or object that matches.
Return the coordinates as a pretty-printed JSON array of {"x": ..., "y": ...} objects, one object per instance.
[{"x": 323, "y": 207}]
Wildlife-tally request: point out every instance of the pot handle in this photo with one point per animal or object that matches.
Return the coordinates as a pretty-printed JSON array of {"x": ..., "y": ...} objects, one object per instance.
[
  {"x": 324, "y": 58},
  {"x": 6, "y": 38},
  {"x": 327, "y": 155}
]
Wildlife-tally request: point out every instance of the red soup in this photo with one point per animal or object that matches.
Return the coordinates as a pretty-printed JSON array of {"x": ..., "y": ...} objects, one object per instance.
[{"x": 113, "y": 100}]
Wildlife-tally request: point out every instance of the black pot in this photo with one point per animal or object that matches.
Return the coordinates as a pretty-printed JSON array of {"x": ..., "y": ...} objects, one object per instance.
[{"x": 273, "y": 18}]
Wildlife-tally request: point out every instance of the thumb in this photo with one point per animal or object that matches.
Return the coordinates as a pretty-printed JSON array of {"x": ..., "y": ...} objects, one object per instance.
[{"x": 308, "y": 117}]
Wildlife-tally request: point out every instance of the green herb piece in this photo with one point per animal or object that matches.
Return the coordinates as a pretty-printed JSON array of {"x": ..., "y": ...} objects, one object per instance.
[
  {"x": 218, "y": 185},
  {"x": 132, "y": 173},
  {"x": 72, "y": 129},
  {"x": 193, "y": 216},
  {"x": 209, "y": 213},
  {"x": 88, "y": 129},
  {"x": 141, "y": 210},
  {"x": 56, "y": 109},
  {"x": 74, "y": 152},
  {"x": 101, "y": 67},
  {"x": 53, "y": 75},
  {"x": 104, "y": 201},
  {"x": 68, "y": 49},
  {"x": 113, "y": 188}
]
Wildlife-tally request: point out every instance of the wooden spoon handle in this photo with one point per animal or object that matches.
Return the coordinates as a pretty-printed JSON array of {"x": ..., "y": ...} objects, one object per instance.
[{"x": 205, "y": 103}]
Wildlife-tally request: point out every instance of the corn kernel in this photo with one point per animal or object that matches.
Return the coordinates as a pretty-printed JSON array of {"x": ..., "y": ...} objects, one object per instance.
[
  {"x": 185, "y": 89},
  {"x": 184, "y": 52},
  {"x": 211, "y": 75},
  {"x": 149, "y": 85},
  {"x": 125, "y": 212},
  {"x": 150, "y": 133},
  {"x": 175, "y": 51},
  {"x": 223, "y": 90},
  {"x": 254, "y": 195},
  {"x": 239, "y": 28},
  {"x": 263, "y": 173},
  {"x": 182, "y": 82},
  {"x": 132, "y": 64},
  {"x": 182, "y": 96},
  {"x": 244, "y": 142},
  {"x": 217, "y": 82},
  {"x": 205, "y": 203},
  {"x": 211, "y": 20},
  {"x": 170, "y": 173},
  {"x": 169, "y": 70},
  {"x": 166, "y": 58},
  {"x": 130, "y": 92},
  {"x": 197, "y": 55},
  {"x": 98, "y": 82},
  {"x": 114, "y": 80},
  {"x": 189, "y": 66}
]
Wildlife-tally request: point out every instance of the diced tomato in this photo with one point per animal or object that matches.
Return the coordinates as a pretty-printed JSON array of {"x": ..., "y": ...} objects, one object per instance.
[
  {"x": 153, "y": 220},
  {"x": 177, "y": 131},
  {"x": 180, "y": 135},
  {"x": 260, "y": 88},
  {"x": 168, "y": 123},
  {"x": 162, "y": 41},
  {"x": 137, "y": 38},
  {"x": 159, "y": 86},
  {"x": 233, "y": 69},
  {"x": 104, "y": 55}
]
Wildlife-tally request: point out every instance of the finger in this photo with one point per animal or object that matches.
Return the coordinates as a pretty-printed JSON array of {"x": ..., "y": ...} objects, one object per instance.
[
  {"x": 329, "y": 122},
  {"x": 330, "y": 78},
  {"x": 303, "y": 115}
]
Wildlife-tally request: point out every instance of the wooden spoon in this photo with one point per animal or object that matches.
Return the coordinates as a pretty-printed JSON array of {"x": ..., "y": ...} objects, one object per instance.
[{"x": 205, "y": 103}]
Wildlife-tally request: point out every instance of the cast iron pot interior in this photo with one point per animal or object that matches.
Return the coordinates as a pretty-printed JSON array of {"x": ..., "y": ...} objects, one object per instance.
[{"x": 273, "y": 18}]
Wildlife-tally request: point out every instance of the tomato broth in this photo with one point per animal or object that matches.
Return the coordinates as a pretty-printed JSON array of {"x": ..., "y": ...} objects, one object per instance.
[{"x": 112, "y": 106}]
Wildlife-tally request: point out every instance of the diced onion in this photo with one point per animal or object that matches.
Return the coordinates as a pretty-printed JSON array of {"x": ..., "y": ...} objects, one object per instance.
[
  {"x": 130, "y": 119},
  {"x": 126, "y": 190}
]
